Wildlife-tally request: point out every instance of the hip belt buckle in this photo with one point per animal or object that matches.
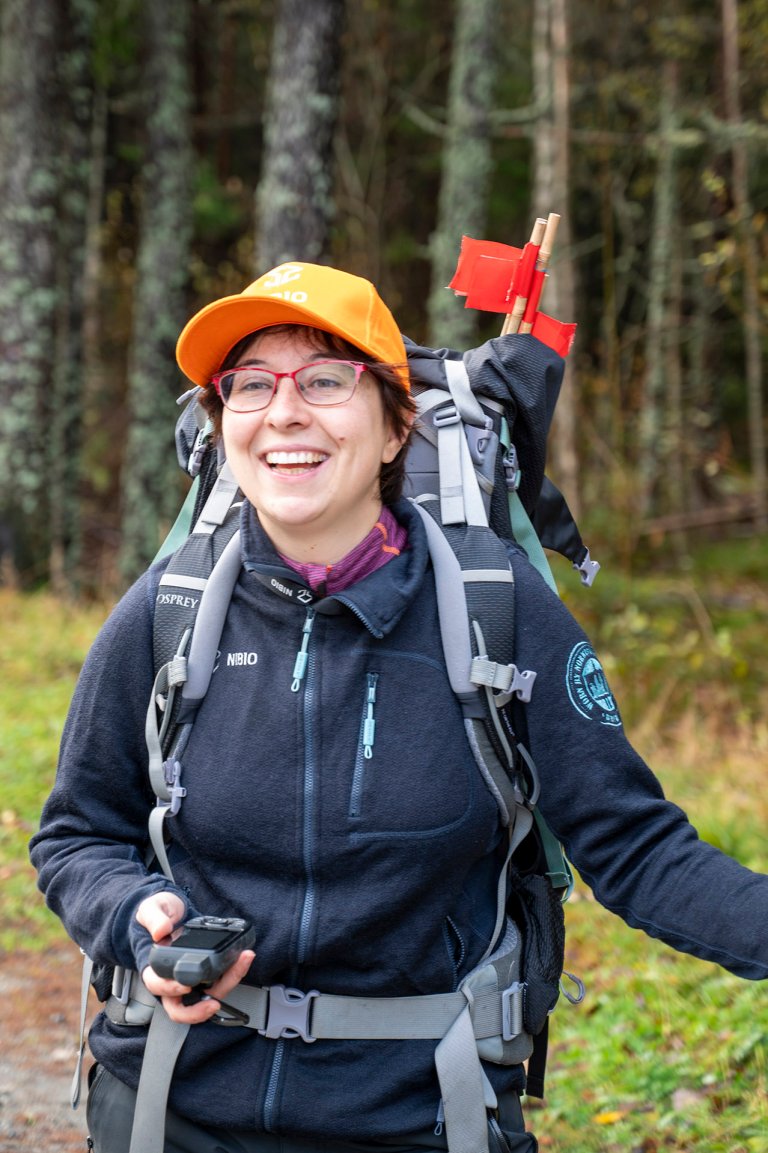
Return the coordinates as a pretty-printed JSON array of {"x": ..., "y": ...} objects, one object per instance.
[{"x": 288, "y": 1013}]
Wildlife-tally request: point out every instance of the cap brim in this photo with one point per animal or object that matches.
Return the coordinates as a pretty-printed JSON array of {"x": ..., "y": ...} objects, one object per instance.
[{"x": 210, "y": 334}]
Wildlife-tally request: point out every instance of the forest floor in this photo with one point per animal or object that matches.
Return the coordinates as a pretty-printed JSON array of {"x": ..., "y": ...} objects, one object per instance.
[{"x": 39, "y": 993}]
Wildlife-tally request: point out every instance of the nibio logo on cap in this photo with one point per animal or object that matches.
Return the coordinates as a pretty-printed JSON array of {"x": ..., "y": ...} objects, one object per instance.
[{"x": 278, "y": 278}]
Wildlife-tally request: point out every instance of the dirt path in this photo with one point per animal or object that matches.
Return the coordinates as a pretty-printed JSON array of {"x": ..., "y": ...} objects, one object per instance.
[{"x": 39, "y": 1011}]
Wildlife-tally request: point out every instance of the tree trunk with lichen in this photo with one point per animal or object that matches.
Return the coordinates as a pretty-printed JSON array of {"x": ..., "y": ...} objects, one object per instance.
[
  {"x": 294, "y": 199},
  {"x": 67, "y": 418},
  {"x": 151, "y": 480},
  {"x": 467, "y": 165},
  {"x": 552, "y": 193},
  {"x": 30, "y": 39},
  {"x": 746, "y": 233}
]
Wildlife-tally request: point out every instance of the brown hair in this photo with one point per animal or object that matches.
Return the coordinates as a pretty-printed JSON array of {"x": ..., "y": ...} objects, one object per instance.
[{"x": 399, "y": 405}]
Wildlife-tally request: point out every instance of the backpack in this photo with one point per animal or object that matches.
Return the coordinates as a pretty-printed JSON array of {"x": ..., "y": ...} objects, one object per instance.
[{"x": 475, "y": 472}]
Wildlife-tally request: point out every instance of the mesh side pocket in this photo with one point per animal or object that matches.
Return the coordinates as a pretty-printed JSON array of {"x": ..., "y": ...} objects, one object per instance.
[{"x": 536, "y": 908}]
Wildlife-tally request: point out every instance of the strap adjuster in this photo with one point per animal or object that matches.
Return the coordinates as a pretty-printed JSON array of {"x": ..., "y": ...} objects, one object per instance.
[
  {"x": 446, "y": 416},
  {"x": 288, "y": 1013},
  {"x": 512, "y": 1011}
]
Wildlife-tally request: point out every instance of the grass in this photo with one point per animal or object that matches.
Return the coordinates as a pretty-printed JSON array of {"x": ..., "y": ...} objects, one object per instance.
[
  {"x": 44, "y": 642},
  {"x": 667, "y": 1052}
]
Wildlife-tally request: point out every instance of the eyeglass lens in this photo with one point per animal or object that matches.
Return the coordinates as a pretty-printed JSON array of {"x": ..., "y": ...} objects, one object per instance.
[{"x": 247, "y": 389}]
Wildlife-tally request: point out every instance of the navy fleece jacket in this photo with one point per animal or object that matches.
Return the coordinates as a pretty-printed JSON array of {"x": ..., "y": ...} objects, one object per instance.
[{"x": 362, "y": 874}]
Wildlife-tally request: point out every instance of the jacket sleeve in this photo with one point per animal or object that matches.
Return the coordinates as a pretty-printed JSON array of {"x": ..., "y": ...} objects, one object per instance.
[
  {"x": 636, "y": 850},
  {"x": 92, "y": 842}
]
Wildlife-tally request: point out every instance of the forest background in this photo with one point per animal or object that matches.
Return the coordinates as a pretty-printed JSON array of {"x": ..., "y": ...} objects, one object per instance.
[{"x": 154, "y": 156}]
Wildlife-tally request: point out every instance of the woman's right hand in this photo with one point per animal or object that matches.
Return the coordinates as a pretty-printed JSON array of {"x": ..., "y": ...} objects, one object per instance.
[{"x": 160, "y": 914}]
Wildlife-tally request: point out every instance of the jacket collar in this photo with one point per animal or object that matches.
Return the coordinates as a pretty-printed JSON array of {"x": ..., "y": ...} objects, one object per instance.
[{"x": 378, "y": 600}]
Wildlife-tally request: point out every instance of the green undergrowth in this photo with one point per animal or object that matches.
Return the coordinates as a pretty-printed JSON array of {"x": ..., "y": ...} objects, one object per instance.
[
  {"x": 42, "y": 646},
  {"x": 685, "y": 634},
  {"x": 666, "y": 1052}
]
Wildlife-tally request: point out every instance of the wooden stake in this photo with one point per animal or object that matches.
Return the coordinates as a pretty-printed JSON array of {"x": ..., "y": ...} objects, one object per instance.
[
  {"x": 513, "y": 318},
  {"x": 545, "y": 253}
]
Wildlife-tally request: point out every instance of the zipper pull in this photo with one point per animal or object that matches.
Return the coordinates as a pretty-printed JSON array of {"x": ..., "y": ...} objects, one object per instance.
[
  {"x": 302, "y": 656},
  {"x": 369, "y": 725},
  {"x": 440, "y": 1119}
]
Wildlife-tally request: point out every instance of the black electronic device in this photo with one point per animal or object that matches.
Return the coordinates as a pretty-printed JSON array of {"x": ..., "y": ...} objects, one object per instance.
[{"x": 200, "y": 950}]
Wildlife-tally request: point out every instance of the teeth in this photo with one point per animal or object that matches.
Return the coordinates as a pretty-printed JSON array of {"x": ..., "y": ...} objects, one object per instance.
[{"x": 285, "y": 458}]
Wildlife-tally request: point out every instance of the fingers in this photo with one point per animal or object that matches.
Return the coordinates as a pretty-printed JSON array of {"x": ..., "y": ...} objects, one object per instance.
[
  {"x": 160, "y": 914},
  {"x": 233, "y": 975},
  {"x": 171, "y": 992}
]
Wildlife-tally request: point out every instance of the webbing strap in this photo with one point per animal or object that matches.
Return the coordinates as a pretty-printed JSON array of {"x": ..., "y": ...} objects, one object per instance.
[
  {"x": 216, "y": 508},
  {"x": 452, "y": 609},
  {"x": 214, "y": 605},
  {"x": 457, "y": 379},
  {"x": 157, "y": 839},
  {"x": 461, "y": 500},
  {"x": 334, "y": 1017},
  {"x": 85, "y": 986},
  {"x": 164, "y": 1042},
  {"x": 462, "y": 1087}
]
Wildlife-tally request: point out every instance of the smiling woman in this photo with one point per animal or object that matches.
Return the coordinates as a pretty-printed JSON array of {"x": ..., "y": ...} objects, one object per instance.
[{"x": 333, "y": 794}]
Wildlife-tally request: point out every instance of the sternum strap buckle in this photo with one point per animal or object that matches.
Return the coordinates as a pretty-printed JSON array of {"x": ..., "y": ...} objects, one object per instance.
[{"x": 288, "y": 1013}]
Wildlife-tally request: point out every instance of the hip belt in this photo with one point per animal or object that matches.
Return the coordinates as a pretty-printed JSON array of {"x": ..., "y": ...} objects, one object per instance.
[{"x": 487, "y": 1018}]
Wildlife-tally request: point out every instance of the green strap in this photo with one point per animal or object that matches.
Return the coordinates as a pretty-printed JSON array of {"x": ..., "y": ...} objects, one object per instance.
[
  {"x": 181, "y": 526},
  {"x": 526, "y": 537},
  {"x": 558, "y": 869},
  {"x": 522, "y": 529}
]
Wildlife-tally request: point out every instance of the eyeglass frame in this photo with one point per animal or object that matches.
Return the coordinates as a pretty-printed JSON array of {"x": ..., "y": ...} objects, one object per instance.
[{"x": 358, "y": 366}]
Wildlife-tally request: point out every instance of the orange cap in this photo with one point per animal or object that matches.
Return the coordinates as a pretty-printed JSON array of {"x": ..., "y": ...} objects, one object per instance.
[{"x": 311, "y": 294}]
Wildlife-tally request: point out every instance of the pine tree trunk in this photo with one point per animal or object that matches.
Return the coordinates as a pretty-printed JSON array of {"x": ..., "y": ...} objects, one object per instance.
[
  {"x": 68, "y": 381},
  {"x": 750, "y": 262},
  {"x": 552, "y": 191},
  {"x": 151, "y": 478},
  {"x": 30, "y": 37},
  {"x": 464, "y": 189},
  {"x": 294, "y": 199},
  {"x": 652, "y": 422}
]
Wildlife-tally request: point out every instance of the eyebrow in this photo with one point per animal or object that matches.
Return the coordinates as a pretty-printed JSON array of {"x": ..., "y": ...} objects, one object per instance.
[{"x": 254, "y": 362}]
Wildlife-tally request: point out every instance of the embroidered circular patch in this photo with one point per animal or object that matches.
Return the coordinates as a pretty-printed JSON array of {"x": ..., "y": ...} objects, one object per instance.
[{"x": 588, "y": 688}]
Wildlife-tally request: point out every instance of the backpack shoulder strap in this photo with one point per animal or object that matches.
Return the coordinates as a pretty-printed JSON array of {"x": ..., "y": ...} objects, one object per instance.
[{"x": 191, "y": 605}]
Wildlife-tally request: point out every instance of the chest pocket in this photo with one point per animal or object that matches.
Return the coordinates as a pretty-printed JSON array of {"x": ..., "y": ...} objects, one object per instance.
[{"x": 412, "y": 773}]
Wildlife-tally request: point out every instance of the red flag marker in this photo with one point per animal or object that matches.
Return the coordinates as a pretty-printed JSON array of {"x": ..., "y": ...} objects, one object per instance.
[{"x": 496, "y": 277}]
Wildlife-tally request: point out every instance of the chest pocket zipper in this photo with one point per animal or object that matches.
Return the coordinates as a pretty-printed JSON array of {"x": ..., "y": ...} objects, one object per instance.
[{"x": 365, "y": 744}]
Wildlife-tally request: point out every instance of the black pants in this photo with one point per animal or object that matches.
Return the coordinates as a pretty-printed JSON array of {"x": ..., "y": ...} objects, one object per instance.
[{"x": 111, "y": 1106}]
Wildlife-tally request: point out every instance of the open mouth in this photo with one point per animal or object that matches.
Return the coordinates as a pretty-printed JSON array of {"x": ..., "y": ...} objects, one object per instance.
[{"x": 294, "y": 463}]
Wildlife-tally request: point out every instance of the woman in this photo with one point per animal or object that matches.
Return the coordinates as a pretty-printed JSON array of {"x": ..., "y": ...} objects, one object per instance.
[{"x": 366, "y": 856}]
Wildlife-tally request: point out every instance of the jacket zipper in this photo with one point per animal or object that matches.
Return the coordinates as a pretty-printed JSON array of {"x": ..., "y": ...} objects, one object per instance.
[
  {"x": 302, "y": 675},
  {"x": 365, "y": 746},
  {"x": 274, "y": 1077},
  {"x": 310, "y": 781}
]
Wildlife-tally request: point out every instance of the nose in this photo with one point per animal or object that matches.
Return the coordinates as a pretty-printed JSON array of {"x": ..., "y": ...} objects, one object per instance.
[{"x": 286, "y": 406}]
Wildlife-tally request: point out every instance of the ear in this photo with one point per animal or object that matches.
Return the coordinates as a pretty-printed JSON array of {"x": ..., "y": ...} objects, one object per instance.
[{"x": 393, "y": 444}]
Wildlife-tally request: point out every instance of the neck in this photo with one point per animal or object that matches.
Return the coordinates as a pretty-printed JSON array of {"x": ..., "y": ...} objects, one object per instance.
[{"x": 319, "y": 547}]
